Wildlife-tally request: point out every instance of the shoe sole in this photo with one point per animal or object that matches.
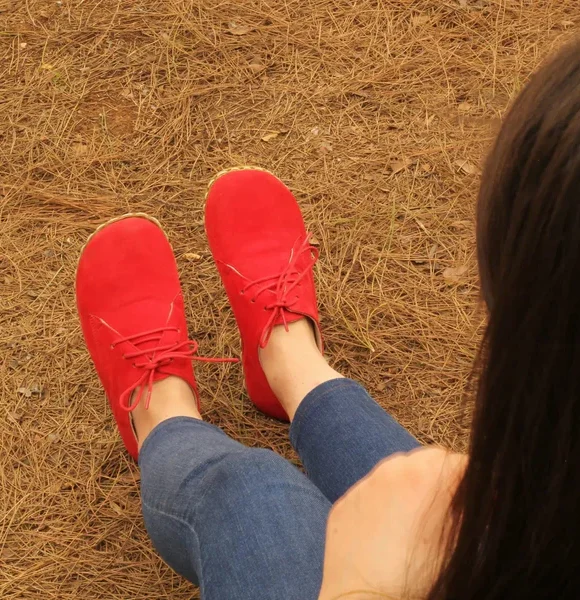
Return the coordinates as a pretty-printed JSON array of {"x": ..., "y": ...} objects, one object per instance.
[
  {"x": 137, "y": 215},
  {"x": 233, "y": 170}
]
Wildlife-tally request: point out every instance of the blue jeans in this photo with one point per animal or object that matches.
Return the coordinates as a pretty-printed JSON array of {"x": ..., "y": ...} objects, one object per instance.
[{"x": 244, "y": 523}]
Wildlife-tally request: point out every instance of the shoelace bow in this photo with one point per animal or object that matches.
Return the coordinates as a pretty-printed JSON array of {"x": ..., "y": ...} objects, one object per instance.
[
  {"x": 282, "y": 285},
  {"x": 156, "y": 358}
]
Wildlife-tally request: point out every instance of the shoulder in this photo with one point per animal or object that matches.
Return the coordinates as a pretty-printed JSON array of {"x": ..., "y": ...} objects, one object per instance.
[
  {"x": 410, "y": 496},
  {"x": 386, "y": 531},
  {"x": 413, "y": 478},
  {"x": 421, "y": 467}
]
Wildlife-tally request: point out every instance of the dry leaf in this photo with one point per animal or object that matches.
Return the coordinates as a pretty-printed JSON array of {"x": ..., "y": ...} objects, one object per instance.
[
  {"x": 270, "y": 136},
  {"x": 359, "y": 93},
  {"x": 566, "y": 24},
  {"x": 238, "y": 28},
  {"x": 433, "y": 251},
  {"x": 256, "y": 67},
  {"x": 191, "y": 256},
  {"x": 381, "y": 387},
  {"x": 23, "y": 45},
  {"x": 461, "y": 224},
  {"x": 454, "y": 274},
  {"x": 463, "y": 3},
  {"x": 315, "y": 131},
  {"x": 25, "y": 392},
  {"x": 314, "y": 241},
  {"x": 79, "y": 149},
  {"x": 273, "y": 135},
  {"x": 421, "y": 226},
  {"x": 420, "y": 20},
  {"x": 464, "y": 107},
  {"x": 400, "y": 165},
  {"x": 468, "y": 167},
  {"x": 16, "y": 416},
  {"x": 54, "y": 488},
  {"x": 7, "y": 554},
  {"x": 325, "y": 147},
  {"x": 116, "y": 508},
  {"x": 47, "y": 67},
  {"x": 129, "y": 478}
]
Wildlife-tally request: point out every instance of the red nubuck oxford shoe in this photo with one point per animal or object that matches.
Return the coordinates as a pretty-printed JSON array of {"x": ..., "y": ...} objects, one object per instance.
[
  {"x": 131, "y": 310},
  {"x": 264, "y": 256}
]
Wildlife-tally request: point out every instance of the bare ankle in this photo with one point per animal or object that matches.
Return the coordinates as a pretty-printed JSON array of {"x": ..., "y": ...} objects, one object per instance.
[
  {"x": 294, "y": 365},
  {"x": 170, "y": 397}
]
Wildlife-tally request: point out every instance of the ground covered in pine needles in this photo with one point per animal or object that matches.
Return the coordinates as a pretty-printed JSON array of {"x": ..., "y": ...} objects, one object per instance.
[{"x": 376, "y": 113}]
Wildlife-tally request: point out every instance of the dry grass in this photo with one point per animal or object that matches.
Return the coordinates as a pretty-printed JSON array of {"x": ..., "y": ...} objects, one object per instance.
[{"x": 109, "y": 106}]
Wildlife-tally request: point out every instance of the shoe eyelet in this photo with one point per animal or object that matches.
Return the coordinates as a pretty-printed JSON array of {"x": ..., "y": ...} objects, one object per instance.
[{"x": 253, "y": 301}]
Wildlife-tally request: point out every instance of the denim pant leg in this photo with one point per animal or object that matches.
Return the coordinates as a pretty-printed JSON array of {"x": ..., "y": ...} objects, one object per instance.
[
  {"x": 341, "y": 433},
  {"x": 243, "y": 523}
]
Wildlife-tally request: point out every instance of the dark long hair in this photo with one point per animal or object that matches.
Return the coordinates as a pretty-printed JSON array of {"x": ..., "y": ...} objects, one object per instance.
[{"x": 516, "y": 513}]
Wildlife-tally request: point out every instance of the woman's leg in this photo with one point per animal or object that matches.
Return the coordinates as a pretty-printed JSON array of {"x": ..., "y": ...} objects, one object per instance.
[
  {"x": 338, "y": 430},
  {"x": 259, "y": 242},
  {"x": 242, "y": 523},
  {"x": 341, "y": 433}
]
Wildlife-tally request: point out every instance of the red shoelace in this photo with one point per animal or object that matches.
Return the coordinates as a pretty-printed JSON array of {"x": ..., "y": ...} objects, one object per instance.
[
  {"x": 155, "y": 359},
  {"x": 283, "y": 285}
]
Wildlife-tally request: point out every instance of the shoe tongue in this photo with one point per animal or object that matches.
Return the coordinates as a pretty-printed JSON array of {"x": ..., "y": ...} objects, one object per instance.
[{"x": 135, "y": 318}]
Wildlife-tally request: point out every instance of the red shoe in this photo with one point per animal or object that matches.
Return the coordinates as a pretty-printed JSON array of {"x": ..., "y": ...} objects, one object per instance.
[
  {"x": 259, "y": 243},
  {"x": 131, "y": 309}
]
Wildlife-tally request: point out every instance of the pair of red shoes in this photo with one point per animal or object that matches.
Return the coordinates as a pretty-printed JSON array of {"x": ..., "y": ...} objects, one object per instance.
[{"x": 130, "y": 301}]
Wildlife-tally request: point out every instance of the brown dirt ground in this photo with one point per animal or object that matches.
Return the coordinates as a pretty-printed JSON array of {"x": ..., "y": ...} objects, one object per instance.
[{"x": 380, "y": 113}]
